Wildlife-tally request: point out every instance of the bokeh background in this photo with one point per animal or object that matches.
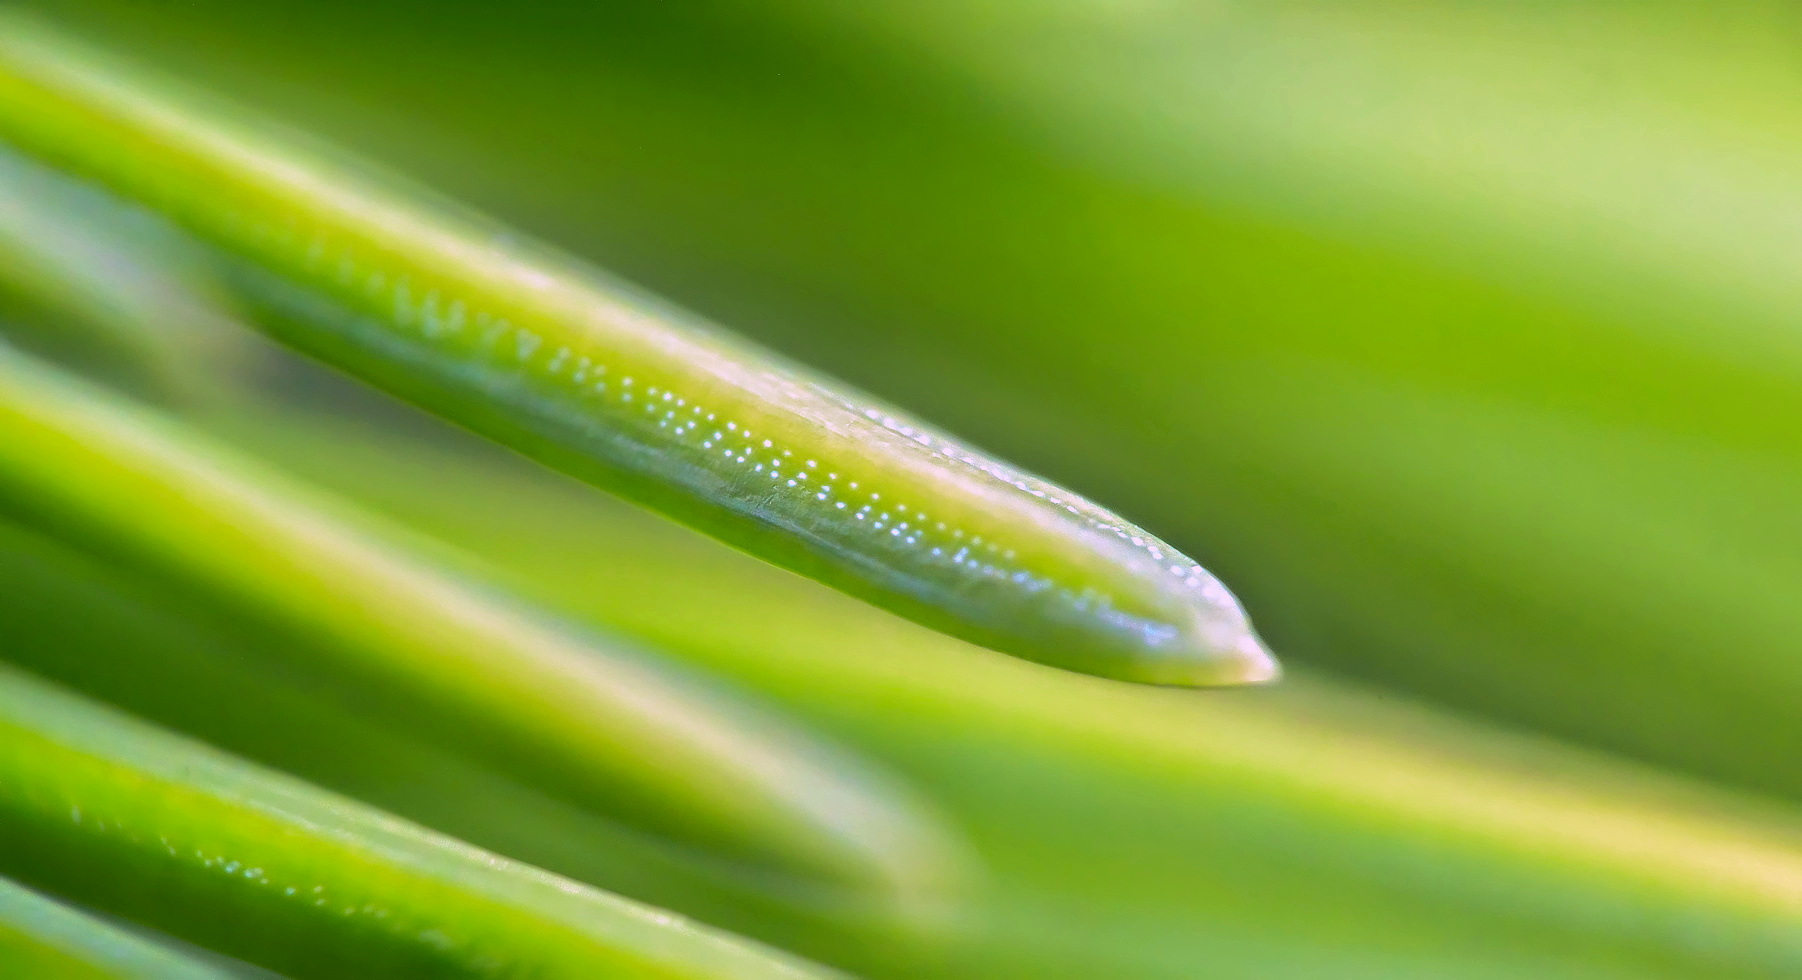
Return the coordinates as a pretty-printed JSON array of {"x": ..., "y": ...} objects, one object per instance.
[{"x": 1464, "y": 340}]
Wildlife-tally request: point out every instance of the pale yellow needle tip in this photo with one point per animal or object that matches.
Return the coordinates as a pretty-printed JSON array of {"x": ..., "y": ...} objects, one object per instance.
[
  {"x": 1257, "y": 665},
  {"x": 1236, "y": 659}
]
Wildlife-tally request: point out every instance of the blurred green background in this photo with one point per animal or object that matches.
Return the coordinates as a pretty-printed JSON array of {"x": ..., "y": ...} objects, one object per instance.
[{"x": 1463, "y": 340}]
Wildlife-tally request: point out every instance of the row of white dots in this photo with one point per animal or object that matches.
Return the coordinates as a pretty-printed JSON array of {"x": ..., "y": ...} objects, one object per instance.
[
  {"x": 435, "y": 317},
  {"x": 1191, "y": 573}
]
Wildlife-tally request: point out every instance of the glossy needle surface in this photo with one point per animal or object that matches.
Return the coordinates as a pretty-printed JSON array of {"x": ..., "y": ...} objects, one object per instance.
[
  {"x": 546, "y": 355},
  {"x": 577, "y": 717}
]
